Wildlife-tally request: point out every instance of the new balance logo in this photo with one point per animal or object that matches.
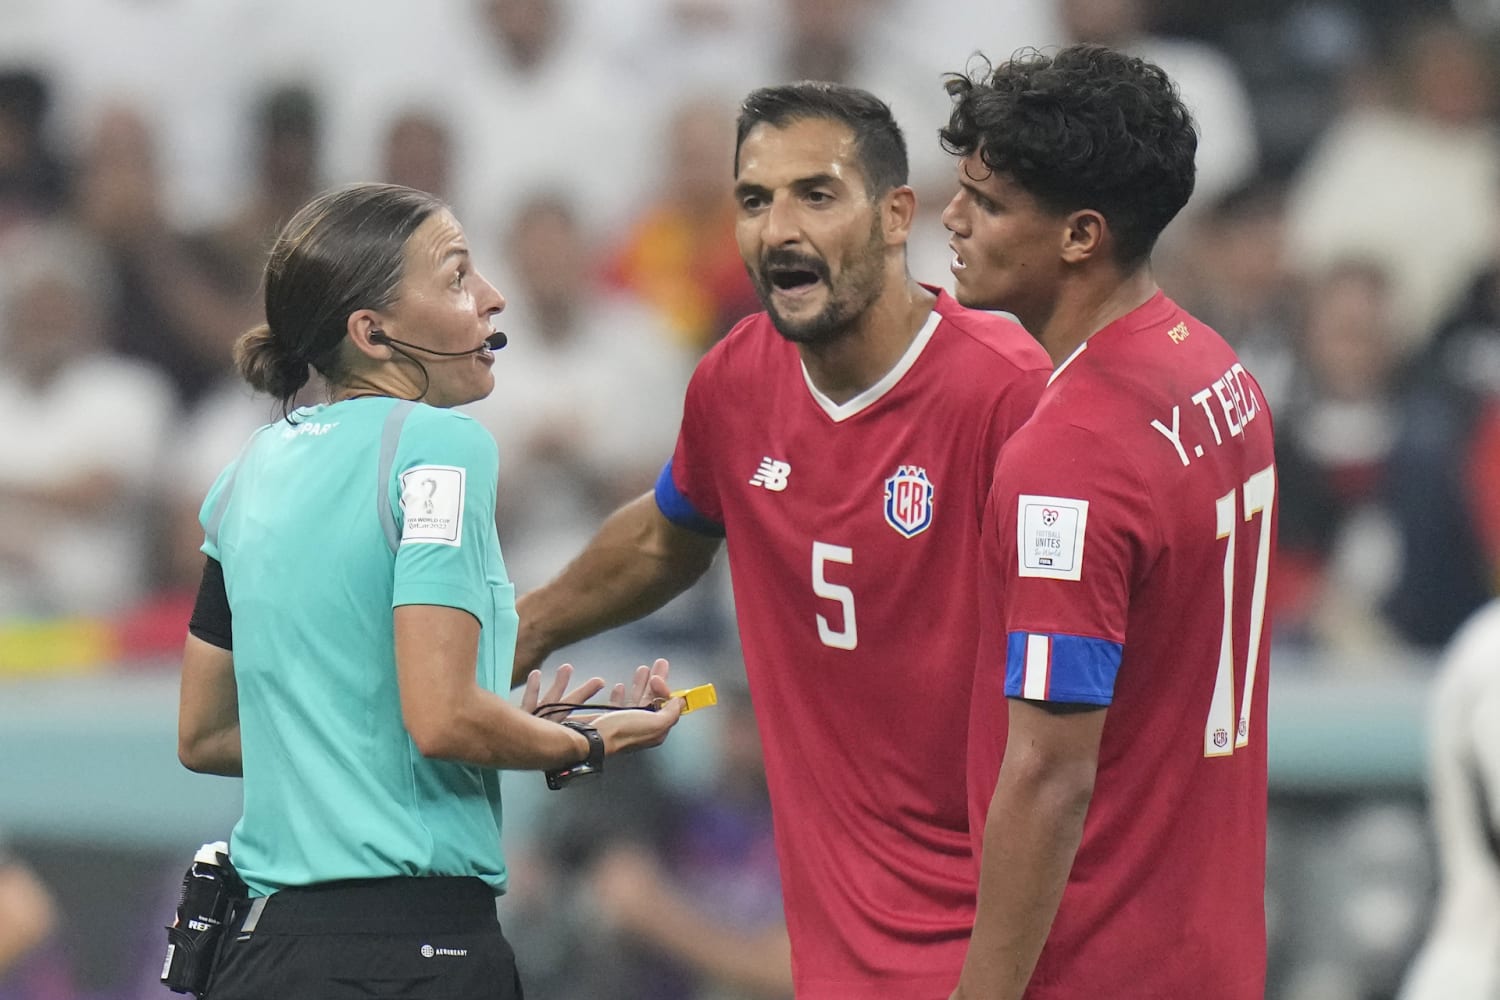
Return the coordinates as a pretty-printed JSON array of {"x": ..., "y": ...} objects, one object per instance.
[{"x": 771, "y": 474}]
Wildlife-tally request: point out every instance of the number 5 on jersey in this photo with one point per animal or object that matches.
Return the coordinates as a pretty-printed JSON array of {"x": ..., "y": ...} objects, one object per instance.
[
  {"x": 1260, "y": 495},
  {"x": 846, "y": 637}
]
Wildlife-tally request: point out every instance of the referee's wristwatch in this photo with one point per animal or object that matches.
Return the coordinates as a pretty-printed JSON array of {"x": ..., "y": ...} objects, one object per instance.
[{"x": 592, "y": 764}]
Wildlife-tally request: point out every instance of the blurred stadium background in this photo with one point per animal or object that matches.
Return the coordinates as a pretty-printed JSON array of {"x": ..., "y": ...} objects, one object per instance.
[{"x": 1343, "y": 236}]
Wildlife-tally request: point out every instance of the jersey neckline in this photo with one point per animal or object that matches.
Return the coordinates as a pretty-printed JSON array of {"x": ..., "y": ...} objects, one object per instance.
[
  {"x": 839, "y": 412},
  {"x": 1146, "y": 316}
]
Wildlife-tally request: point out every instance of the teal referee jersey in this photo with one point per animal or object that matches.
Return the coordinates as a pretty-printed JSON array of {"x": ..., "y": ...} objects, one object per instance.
[{"x": 323, "y": 526}]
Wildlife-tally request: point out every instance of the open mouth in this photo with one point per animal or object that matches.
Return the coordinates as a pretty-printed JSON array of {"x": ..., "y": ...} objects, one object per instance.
[{"x": 792, "y": 279}]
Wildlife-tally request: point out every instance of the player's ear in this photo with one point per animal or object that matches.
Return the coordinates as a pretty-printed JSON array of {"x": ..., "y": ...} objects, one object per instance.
[
  {"x": 897, "y": 209},
  {"x": 1084, "y": 235}
]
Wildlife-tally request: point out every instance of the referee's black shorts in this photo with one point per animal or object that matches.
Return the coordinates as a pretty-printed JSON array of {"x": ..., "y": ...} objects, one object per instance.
[{"x": 397, "y": 938}]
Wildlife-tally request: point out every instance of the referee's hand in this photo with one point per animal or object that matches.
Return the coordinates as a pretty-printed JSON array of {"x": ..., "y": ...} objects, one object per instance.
[{"x": 641, "y": 725}]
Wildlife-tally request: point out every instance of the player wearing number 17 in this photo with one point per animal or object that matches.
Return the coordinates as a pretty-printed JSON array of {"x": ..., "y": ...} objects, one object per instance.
[
  {"x": 843, "y": 442},
  {"x": 1118, "y": 737}
]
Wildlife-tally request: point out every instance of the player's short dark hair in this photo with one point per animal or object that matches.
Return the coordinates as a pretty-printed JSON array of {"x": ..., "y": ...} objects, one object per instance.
[
  {"x": 1087, "y": 127},
  {"x": 877, "y": 137}
]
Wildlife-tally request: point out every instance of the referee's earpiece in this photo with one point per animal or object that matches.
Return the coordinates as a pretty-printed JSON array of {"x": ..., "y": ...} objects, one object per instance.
[{"x": 493, "y": 342}]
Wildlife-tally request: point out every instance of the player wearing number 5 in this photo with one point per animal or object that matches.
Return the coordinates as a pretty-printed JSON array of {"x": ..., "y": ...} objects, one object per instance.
[
  {"x": 843, "y": 442},
  {"x": 1123, "y": 653}
]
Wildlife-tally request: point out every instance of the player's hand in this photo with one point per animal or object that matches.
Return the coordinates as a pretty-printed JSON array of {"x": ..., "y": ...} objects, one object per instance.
[
  {"x": 533, "y": 695},
  {"x": 648, "y": 687}
]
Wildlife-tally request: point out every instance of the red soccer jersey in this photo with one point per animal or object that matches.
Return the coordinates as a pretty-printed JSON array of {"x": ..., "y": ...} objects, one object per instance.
[
  {"x": 1127, "y": 545},
  {"x": 853, "y": 535}
]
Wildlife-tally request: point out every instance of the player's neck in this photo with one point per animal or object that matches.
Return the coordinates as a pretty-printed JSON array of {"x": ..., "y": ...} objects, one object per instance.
[
  {"x": 846, "y": 367},
  {"x": 1088, "y": 306}
]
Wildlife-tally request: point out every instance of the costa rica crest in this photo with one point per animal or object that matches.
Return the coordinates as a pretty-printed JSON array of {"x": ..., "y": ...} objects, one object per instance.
[{"x": 908, "y": 500}]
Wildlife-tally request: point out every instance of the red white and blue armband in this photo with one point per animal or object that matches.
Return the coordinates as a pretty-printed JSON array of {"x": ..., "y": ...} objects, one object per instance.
[{"x": 1058, "y": 667}]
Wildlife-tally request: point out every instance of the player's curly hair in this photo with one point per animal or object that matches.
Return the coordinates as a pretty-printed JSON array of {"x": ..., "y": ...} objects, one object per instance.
[{"x": 1087, "y": 127}]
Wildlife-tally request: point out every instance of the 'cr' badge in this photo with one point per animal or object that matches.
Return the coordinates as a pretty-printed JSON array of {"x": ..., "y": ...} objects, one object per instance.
[{"x": 908, "y": 500}]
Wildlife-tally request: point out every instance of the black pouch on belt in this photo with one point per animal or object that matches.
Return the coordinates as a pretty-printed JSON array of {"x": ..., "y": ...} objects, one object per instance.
[{"x": 210, "y": 888}]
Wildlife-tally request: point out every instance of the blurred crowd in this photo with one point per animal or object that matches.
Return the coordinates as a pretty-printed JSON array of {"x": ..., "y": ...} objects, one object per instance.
[{"x": 1344, "y": 236}]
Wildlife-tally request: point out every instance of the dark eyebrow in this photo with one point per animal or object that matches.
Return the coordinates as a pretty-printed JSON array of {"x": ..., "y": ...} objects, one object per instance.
[
  {"x": 800, "y": 184},
  {"x": 975, "y": 189},
  {"x": 744, "y": 188},
  {"x": 816, "y": 180}
]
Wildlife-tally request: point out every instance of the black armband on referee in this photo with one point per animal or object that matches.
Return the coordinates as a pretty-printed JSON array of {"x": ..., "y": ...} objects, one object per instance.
[{"x": 211, "y": 621}]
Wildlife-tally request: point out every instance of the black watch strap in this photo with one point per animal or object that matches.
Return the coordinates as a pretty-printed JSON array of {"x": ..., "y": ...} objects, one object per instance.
[{"x": 592, "y": 764}]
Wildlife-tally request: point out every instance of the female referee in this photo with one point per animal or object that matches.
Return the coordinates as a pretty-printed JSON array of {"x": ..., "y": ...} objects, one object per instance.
[{"x": 354, "y": 571}]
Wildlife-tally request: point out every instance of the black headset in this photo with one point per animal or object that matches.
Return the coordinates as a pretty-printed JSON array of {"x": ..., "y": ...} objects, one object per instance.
[{"x": 493, "y": 342}]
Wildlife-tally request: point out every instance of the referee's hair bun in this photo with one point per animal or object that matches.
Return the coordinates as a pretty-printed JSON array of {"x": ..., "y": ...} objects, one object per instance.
[{"x": 267, "y": 366}]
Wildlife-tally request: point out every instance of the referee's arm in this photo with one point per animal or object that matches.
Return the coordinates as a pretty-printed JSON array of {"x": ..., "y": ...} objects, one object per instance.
[
  {"x": 450, "y": 717},
  {"x": 208, "y": 713},
  {"x": 447, "y": 713}
]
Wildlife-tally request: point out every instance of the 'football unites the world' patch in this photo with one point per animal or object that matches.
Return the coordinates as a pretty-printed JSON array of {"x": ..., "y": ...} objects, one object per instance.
[{"x": 1049, "y": 536}]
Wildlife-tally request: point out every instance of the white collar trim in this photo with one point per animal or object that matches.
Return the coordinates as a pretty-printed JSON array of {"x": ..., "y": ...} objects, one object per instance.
[
  {"x": 840, "y": 412},
  {"x": 1066, "y": 362}
]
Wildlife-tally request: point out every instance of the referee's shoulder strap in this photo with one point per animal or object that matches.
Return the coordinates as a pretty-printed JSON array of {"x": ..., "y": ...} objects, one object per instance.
[
  {"x": 221, "y": 501},
  {"x": 390, "y": 439}
]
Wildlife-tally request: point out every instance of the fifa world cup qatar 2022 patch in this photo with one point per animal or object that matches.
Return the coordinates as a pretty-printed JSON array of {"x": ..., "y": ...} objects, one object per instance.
[
  {"x": 1049, "y": 536},
  {"x": 908, "y": 500},
  {"x": 432, "y": 505}
]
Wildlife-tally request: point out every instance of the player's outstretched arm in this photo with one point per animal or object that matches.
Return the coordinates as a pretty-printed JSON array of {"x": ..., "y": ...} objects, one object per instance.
[
  {"x": 636, "y": 563},
  {"x": 1031, "y": 834}
]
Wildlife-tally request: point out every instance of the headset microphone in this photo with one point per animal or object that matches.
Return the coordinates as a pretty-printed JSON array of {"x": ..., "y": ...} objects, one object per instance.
[{"x": 493, "y": 342}]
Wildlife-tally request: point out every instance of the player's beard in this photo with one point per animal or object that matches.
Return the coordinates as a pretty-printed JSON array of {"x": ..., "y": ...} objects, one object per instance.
[{"x": 859, "y": 285}]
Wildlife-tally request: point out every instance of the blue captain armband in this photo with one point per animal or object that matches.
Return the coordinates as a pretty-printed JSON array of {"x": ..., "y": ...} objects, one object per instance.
[
  {"x": 1060, "y": 667},
  {"x": 679, "y": 509}
]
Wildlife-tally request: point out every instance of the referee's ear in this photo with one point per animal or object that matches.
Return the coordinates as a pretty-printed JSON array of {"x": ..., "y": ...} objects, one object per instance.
[{"x": 363, "y": 329}]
